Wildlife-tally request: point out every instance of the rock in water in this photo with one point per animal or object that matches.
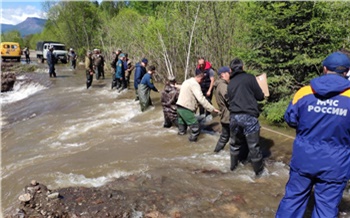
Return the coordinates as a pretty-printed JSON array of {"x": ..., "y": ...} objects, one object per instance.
[
  {"x": 25, "y": 197},
  {"x": 7, "y": 81}
]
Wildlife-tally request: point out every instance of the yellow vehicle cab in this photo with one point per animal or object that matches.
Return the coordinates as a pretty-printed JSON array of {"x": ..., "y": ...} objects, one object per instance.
[{"x": 10, "y": 50}]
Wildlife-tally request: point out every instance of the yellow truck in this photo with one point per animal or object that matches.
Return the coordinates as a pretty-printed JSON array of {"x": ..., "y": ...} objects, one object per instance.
[{"x": 10, "y": 50}]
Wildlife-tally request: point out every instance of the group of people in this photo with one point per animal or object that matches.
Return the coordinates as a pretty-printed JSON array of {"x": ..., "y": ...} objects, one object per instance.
[
  {"x": 94, "y": 64},
  {"x": 319, "y": 113},
  {"x": 236, "y": 92},
  {"x": 51, "y": 59},
  {"x": 122, "y": 69}
]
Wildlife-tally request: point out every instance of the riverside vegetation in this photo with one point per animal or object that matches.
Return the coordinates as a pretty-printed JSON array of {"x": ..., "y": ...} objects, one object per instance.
[{"x": 286, "y": 40}]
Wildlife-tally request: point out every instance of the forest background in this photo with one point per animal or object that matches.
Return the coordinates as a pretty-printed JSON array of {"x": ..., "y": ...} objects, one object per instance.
[{"x": 286, "y": 40}]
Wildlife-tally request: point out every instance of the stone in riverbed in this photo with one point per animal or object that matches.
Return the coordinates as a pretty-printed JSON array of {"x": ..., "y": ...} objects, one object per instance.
[
  {"x": 25, "y": 197},
  {"x": 7, "y": 81}
]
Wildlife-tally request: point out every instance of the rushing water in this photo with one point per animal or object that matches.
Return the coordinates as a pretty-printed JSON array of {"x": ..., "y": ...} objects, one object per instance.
[{"x": 60, "y": 134}]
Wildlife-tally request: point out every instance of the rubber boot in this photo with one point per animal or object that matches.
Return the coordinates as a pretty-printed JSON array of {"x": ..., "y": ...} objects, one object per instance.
[
  {"x": 224, "y": 138},
  {"x": 195, "y": 130},
  {"x": 167, "y": 123},
  {"x": 234, "y": 152},
  {"x": 234, "y": 161},
  {"x": 137, "y": 95},
  {"x": 255, "y": 152},
  {"x": 114, "y": 83},
  {"x": 244, "y": 157},
  {"x": 258, "y": 167},
  {"x": 182, "y": 129}
]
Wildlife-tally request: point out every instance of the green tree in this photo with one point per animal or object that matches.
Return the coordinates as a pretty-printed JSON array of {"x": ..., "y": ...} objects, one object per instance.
[
  {"x": 288, "y": 41},
  {"x": 12, "y": 36}
]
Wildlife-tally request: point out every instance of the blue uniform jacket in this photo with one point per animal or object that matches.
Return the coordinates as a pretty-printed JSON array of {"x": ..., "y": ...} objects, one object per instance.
[
  {"x": 119, "y": 70},
  {"x": 320, "y": 113},
  {"x": 50, "y": 58},
  {"x": 140, "y": 71},
  {"x": 147, "y": 80}
]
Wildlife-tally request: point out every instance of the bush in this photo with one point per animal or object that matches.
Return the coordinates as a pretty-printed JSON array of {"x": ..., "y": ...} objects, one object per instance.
[{"x": 274, "y": 112}]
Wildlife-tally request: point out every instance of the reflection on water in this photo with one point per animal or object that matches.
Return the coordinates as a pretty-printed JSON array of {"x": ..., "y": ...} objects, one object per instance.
[{"x": 61, "y": 135}]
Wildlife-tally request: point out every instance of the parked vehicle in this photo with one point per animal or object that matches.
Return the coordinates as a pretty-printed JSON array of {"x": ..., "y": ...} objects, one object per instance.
[
  {"x": 59, "y": 51},
  {"x": 10, "y": 50}
]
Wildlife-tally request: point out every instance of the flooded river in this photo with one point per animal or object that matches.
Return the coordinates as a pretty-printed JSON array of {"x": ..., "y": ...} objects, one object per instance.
[{"x": 59, "y": 133}]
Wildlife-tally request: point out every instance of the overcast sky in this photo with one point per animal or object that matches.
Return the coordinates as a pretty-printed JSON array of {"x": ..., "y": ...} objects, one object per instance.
[{"x": 16, "y": 11}]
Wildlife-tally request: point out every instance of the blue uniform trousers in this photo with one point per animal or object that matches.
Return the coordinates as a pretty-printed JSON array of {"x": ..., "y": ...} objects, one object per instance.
[{"x": 298, "y": 189}]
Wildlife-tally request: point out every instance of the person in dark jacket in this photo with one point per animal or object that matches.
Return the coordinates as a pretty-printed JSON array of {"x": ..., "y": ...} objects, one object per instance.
[
  {"x": 140, "y": 71},
  {"x": 115, "y": 58},
  {"x": 243, "y": 93},
  {"x": 27, "y": 54},
  {"x": 321, "y": 150},
  {"x": 169, "y": 97},
  {"x": 220, "y": 92},
  {"x": 98, "y": 64},
  {"x": 72, "y": 57},
  {"x": 89, "y": 69},
  {"x": 145, "y": 87},
  {"x": 51, "y": 60},
  {"x": 120, "y": 73},
  {"x": 129, "y": 67},
  {"x": 208, "y": 82}
]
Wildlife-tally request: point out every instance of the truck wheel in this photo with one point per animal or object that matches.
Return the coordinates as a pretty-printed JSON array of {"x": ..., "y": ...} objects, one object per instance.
[
  {"x": 64, "y": 61},
  {"x": 42, "y": 60},
  {"x": 18, "y": 59}
]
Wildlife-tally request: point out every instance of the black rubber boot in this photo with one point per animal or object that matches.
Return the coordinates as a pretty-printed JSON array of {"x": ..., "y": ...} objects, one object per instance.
[
  {"x": 195, "y": 131},
  {"x": 244, "y": 150},
  {"x": 258, "y": 167},
  {"x": 255, "y": 152},
  {"x": 224, "y": 138},
  {"x": 167, "y": 123},
  {"x": 234, "y": 161},
  {"x": 182, "y": 129},
  {"x": 234, "y": 151},
  {"x": 114, "y": 83}
]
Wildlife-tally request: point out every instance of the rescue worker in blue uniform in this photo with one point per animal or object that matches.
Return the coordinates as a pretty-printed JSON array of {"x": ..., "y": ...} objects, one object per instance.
[
  {"x": 120, "y": 73},
  {"x": 140, "y": 71},
  {"x": 51, "y": 60},
  {"x": 320, "y": 113},
  {"x": 145, "y": 87}
]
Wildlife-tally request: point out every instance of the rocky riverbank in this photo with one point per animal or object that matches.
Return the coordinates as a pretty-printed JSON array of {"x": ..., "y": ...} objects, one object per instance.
[
  {"x": 143, "y": 196},
  {"x": 9, "y": 72}
]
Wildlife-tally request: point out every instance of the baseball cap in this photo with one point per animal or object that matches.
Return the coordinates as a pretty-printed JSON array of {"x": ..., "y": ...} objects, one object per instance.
[
  {"x": 122, "y": 55},
  {"x": 198, "y": 71},
  {"x": 224, "y": 70},
  {"x": 144, "y": 60},
  {"x": 337, "y": 62}
]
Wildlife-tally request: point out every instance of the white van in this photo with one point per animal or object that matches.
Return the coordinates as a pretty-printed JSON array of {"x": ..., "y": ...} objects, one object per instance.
[{"x": 59, "y": 51}]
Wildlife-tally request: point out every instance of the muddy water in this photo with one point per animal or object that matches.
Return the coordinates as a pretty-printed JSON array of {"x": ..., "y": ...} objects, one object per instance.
[{"x": 60, "y": 134}]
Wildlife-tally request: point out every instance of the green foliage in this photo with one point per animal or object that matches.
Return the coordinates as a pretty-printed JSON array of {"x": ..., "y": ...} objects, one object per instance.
[
  {"x": 12, "y": 36},
  {"x": 286, "y": 40},
  {"x": 274, "y": 112}
]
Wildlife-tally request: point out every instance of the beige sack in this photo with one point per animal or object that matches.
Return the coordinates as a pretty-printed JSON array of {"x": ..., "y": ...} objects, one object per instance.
[{"x": 262, "y": 81}]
